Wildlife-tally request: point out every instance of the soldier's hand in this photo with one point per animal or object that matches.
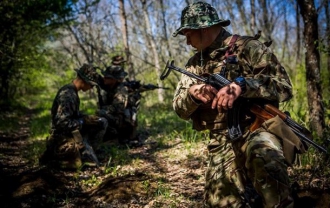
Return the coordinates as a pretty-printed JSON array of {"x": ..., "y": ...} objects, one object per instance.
[
  {"x": 203, "y": 92},
  {"x": 226, "y": 96}
]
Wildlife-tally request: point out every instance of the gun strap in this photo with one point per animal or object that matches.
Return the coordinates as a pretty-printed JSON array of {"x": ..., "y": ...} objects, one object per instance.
[
  {"x": 231, "y": 45},
  {"x": 229, "y": 52},
  {"x": 234, "y": 129}
]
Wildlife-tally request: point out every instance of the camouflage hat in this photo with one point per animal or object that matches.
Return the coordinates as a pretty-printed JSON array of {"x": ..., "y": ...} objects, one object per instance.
[
  {"x": 199, "y": 15},
  {"x": 117, "y": 60},
  {"x": 116, "y": 72},
  {"x": 88, "y": 73}
]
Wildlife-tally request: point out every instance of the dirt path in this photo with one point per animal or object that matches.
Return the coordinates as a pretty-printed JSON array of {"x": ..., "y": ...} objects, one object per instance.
[{"x": 153, "y": 175}]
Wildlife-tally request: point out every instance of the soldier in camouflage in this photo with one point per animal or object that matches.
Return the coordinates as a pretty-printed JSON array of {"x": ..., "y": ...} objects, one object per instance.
[
  {"x": 257, "y": 157},
  {"x": 64, "y": 149},
  {"x": 113, "y": 100}
]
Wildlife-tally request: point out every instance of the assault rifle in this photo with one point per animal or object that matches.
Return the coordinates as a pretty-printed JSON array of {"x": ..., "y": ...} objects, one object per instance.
[
  {"x": 262, "y": 113},
  {"x": 136, "y": 85}
]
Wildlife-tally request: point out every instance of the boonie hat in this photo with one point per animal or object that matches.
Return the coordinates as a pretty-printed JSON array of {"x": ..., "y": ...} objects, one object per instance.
[
  {"x": 116, "y": 72},
  {"x": 117, "y": 60},
  {"x": 88, "y": 73},
  {"x": 199, "y": 15}
]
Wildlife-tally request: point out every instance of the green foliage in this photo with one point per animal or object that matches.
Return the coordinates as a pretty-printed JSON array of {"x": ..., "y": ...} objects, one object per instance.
[
  {"x": 323, "y": 47},
  {"x": 298, "y": 104},
  {"x": 325, "y": 79},
  {"x": 25, "y": 26},
  {"x": 155, "y": 115},
  {"x": 162, "y": 189},
  {"x": 91, "y": 181}
]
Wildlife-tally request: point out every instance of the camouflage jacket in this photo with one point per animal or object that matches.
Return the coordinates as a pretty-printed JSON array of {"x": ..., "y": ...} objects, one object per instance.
[
  {"x": 266, "y": 78},
  {"x": 65, "y": 110},
  {"x": 114, "y": 100}
]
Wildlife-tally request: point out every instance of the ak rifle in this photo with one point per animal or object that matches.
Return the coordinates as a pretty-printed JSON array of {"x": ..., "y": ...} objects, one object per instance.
[
  {"x": 262, "y": 113},
  {"x": 135, "y": 85}
]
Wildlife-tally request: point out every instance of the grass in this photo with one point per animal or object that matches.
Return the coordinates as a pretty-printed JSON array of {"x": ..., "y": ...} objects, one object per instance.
[
  {"x": 163, "y": 126},
  {"x": 159, "y": 119}
]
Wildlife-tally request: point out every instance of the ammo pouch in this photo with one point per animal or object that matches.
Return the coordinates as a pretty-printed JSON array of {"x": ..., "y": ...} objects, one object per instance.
[
  {"x": 291, "y": 142},
  {"x": 206, "y": 118},
  {"x": 77, "y": 137}
]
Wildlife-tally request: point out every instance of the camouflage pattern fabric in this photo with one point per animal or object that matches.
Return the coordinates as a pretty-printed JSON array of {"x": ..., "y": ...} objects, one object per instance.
[
  {"x": 199, "y": 15},
  {"x": 257, "y": 157},
  {"x": 114, "y": 102},
  {"x": 61, "y": 147},
  {"x": 94, "y": 129},
  {"x": 115, "y": 72},
  {"x": 118, "y": 60},
  {"x": 88, "y": 73},
  {"x": 132, "y": 107},
  {"x": 65, "y": 110},
  {"x": 62, "y": 152},
  {"x": 264, "y": 75},
  {"x": 261, "y": 159}
]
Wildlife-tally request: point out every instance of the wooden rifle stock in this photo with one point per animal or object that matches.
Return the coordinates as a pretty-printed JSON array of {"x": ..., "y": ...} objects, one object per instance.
[
  {"x": 268, "y": 111},
  {"x": 261, "y": 116}
]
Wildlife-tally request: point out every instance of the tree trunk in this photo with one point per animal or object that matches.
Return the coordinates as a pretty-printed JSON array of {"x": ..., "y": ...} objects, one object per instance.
[
  {"x": 312, "y": 59},
  {"x": 152, "y": 42},
  {"x": 131, "y": 73},
  {"x": 253, "y": 23},
  {"x": 286, "y": 34},
  {"x": 244, "y": 19},
  {"x": 265, "y": 16},
  {"x": 298, "y": 58},
  {"x": 4, "y": 95},
  {"x": 327, "y": 14},
  {"x": 165, "y": 29}
]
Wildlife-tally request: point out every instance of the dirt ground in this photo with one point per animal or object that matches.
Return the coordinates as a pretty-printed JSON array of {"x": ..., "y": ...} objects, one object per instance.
[{"x": 152, "y": 178}]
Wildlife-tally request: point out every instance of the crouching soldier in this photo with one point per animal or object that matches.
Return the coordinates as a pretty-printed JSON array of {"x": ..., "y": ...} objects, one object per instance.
[
  {"x": 74, "y": 137},
  {"x": 113, "y": 98}
]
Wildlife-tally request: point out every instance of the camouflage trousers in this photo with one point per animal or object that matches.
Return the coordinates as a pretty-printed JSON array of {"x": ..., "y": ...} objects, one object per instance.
[
  {"x": 95, "y": 134},
  {"x": 257, "y": 158},
  {"x": 65, "y": 153},
  {"x": 62, "y": 152}
]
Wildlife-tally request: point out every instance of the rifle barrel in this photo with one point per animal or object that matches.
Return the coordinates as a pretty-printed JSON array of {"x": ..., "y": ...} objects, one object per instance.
[
  {"x": 318, "y": 147},
  {"x": 171, "y": 66}
]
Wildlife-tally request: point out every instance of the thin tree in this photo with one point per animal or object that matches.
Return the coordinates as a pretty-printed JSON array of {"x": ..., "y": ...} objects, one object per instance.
[
  {"x": 286, "y": 34},
  {"x": 312, "y": 61},
  {"x": 165, "y": 30},
  {"x": 253, "y": 23},
  {"x": 327, "y": 14},
  {"x": 124, "y": 30},
  {"x": 298, "y": 55},
  {"x": 152, "y": 42},
  {"x": 266, "y": 19}
]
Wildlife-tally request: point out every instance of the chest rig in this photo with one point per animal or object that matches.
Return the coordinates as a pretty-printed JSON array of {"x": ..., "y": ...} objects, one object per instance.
[{"x": 230, "y": 62}]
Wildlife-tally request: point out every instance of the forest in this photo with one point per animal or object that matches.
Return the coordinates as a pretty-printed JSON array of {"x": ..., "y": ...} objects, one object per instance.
[{"x": 43, "y": 41}]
